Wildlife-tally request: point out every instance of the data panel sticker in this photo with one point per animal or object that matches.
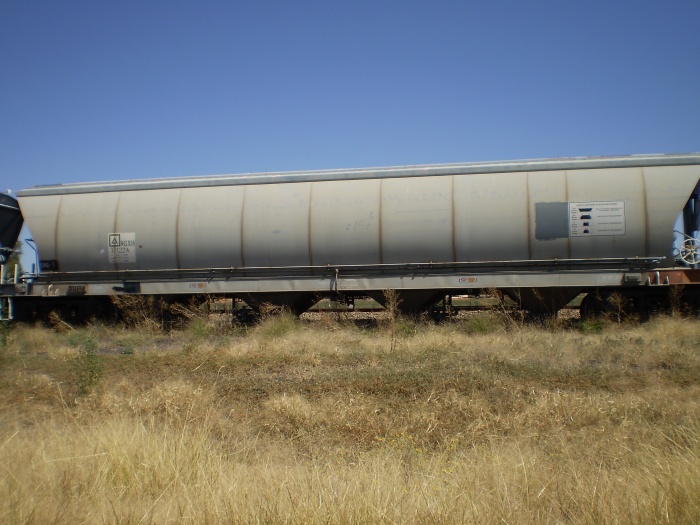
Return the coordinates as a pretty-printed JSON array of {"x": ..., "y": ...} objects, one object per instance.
[
  {"x": 122, "y": 247},
  {"x": 596, "y": 218}
]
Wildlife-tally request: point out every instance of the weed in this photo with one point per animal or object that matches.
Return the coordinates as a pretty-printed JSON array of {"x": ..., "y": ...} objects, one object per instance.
[
  {"x": 592, "y": 326},
  {"x": 407, "y": 327},
  {"x": 676, "y": 300},
  {"x": 617, "y": 307},
  {"x": 199, "y": 329},
  {"x": 480, "y": 324},
  {"x": 141, "y": 311},
  {"x": 88, "y": 365},
  {"x": 392, "y": 301},
  {"x": 276, "y": 325},
  {"x": 5, "y": 329}
]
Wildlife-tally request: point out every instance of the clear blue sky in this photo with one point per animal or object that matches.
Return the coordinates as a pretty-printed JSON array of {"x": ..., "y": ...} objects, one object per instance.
[{"x": 103, "y": 90}]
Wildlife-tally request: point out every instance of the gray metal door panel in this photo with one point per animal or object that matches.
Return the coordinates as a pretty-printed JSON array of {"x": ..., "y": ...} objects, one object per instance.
[
  {"x": 491, "y": 217},
  {"x": 417, "y": 220},
  {"x": 276, "y": 225},
  {"x": 151, "y": 216},
  {"x": 344, "y": 225},
  {"x": 82, "y": 231},
  {"x": 209, "y": 227}
]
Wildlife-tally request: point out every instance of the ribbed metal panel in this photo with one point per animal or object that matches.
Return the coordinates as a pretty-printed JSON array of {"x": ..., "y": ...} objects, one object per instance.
[{"x": 458, "y": 218}]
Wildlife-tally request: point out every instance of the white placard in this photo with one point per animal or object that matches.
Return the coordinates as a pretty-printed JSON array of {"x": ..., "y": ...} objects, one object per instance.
[
  {"x": 596, "y": 218},
  {"x": 121, "y": 247}
]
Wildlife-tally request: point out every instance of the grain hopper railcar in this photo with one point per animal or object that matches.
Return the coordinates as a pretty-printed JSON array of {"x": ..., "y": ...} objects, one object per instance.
[{"x": 541, "y": 231}]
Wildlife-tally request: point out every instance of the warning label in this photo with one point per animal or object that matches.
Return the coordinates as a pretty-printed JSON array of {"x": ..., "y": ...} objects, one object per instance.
[
  {"x": 596, "y": 218},
  {"x": 121, "y": 247}
]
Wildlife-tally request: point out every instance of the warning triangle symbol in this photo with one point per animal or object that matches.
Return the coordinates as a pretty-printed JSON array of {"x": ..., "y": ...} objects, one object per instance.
[{"x": 114, "y": 240}]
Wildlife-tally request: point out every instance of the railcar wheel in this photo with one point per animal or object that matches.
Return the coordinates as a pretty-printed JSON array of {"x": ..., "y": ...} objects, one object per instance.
[
  {"x": 595, "y": 304},
  {"x": 613, "y": 305}
]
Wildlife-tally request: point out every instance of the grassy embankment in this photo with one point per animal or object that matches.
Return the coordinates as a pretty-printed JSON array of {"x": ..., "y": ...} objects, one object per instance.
[{"x": 475, "y": 421}]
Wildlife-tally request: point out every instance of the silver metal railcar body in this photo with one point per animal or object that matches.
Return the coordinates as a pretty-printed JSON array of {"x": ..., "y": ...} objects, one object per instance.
[{"x": 539, "y": 229}]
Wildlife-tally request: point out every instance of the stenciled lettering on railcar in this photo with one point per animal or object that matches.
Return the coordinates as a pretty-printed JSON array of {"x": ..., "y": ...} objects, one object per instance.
[
  {"x": 121, "y": 247},
  {"x": 596, "y": 218}
]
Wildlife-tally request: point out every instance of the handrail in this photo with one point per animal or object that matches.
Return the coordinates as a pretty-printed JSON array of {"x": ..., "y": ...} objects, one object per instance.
[{"x": 546, "y": 265}]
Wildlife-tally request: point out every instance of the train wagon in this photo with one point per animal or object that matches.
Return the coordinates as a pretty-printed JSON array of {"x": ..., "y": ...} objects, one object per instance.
[{"x": 539, "y": 231}]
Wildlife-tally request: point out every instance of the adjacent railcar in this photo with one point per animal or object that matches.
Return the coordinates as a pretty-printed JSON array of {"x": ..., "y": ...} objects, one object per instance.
[{"x": 542, "y": 231}]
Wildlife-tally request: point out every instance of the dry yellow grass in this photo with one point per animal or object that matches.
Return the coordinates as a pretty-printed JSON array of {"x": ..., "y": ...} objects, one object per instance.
[{"x": 297, "y": 422}]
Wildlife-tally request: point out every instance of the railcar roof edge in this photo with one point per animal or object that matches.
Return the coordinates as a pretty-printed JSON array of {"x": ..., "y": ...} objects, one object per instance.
[{"x": 569, "y": 163}]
